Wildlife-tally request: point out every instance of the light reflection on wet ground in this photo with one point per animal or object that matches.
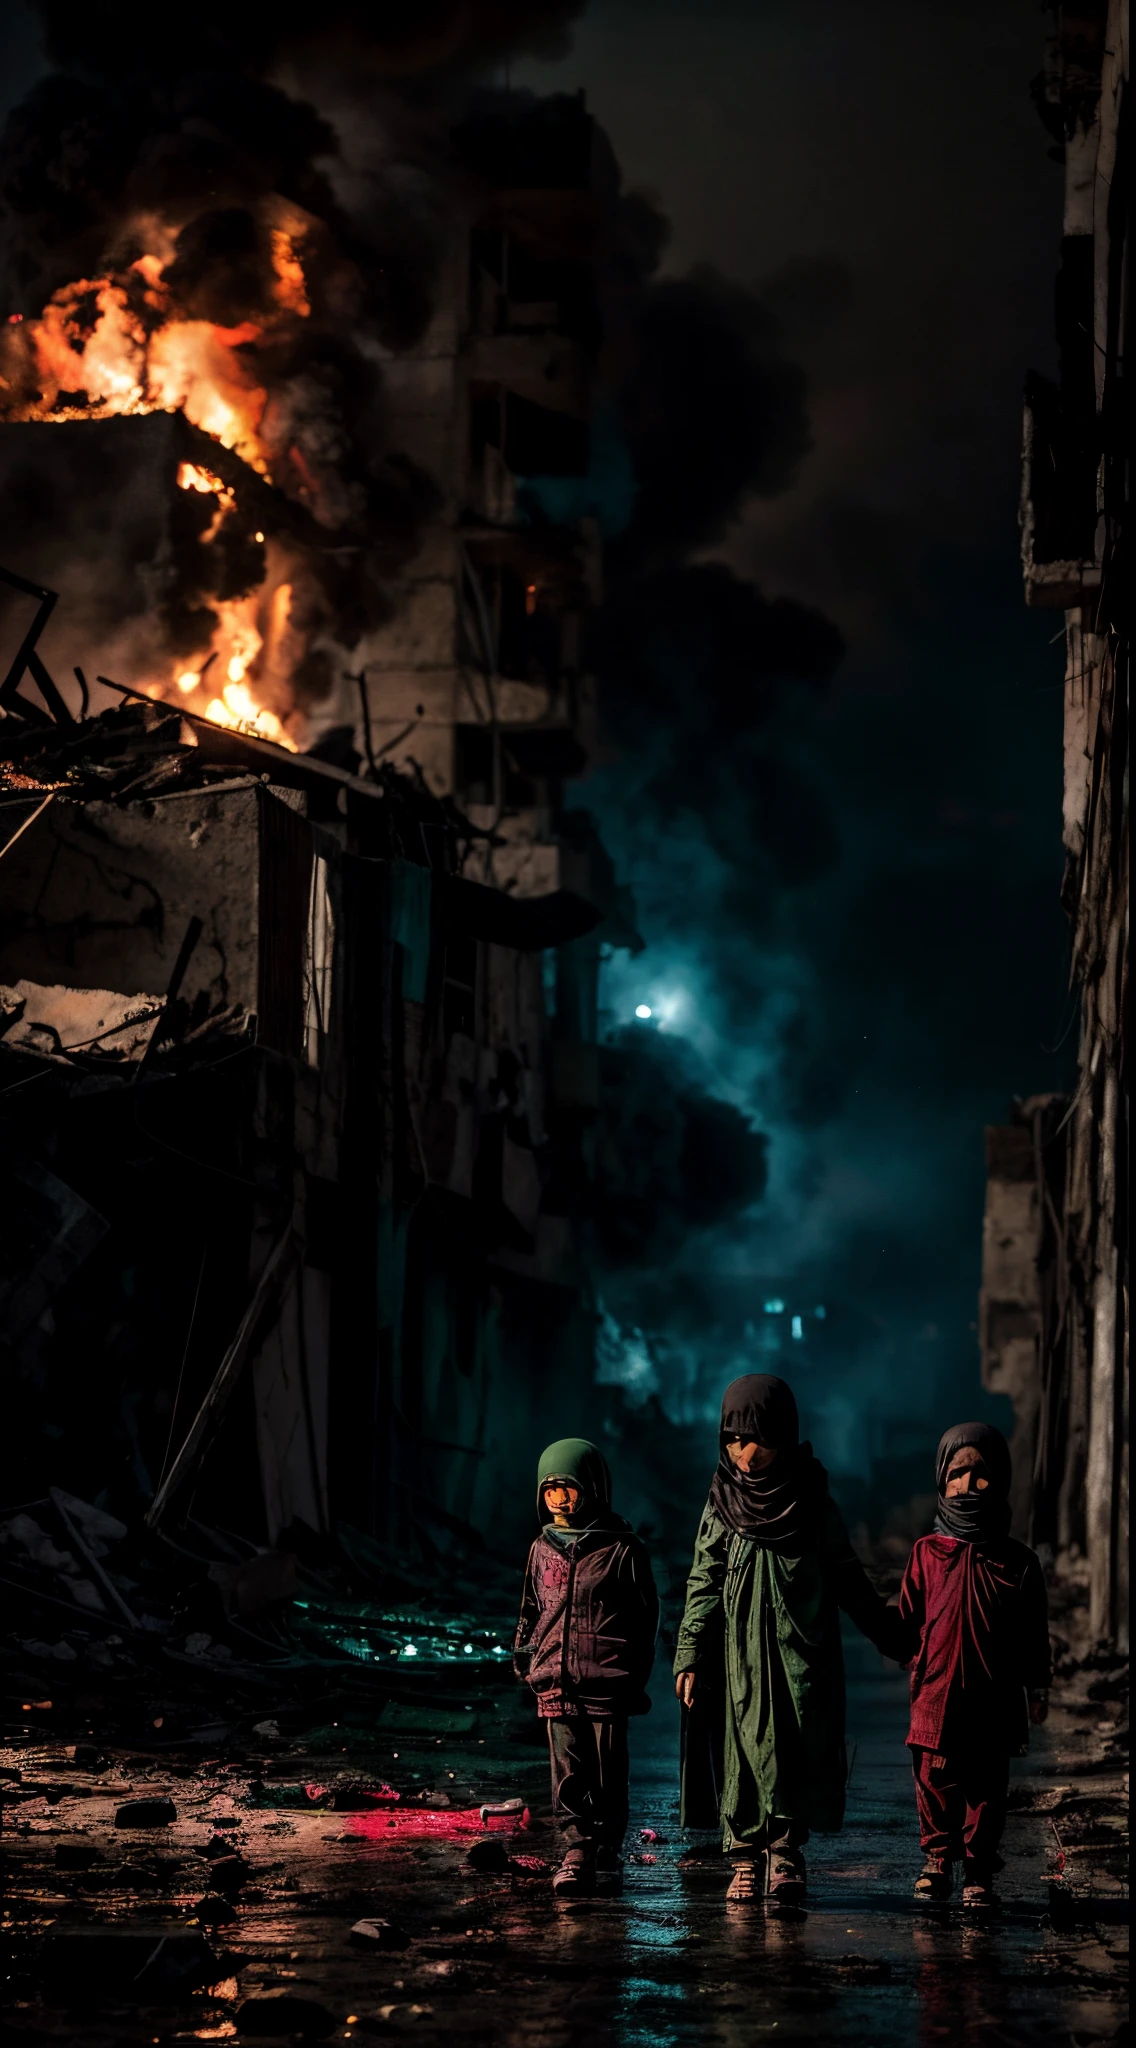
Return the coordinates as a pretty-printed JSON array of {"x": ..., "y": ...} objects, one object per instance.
[
  {"x": 865, "y": 1964},
  {"x": 494, "y": 1963}
]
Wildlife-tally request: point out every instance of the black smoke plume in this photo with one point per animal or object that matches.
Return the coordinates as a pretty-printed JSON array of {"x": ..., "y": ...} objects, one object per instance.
[
  {"x": 192, "y": 137},
  {"x": 674, "y": 1158}
]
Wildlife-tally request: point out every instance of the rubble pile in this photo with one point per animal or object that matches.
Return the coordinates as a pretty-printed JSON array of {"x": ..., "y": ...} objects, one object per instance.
[{"x": 198, "y": 1637}]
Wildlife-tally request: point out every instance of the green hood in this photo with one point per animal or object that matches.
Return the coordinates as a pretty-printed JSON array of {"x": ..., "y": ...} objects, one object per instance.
[{"x": 574, "y": 1458}]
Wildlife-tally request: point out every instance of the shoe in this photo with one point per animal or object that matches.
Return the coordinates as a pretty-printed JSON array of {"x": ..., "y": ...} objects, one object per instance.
[
  {"x": 978, "y": 1891},
  {"x": 744, "y": 1886},
  {"x": 787, "y": 1877},
  {"x": 933, "y": 1883},
  {"x": 574, "y": 1879},
  {"x": 609, "y": 1872}
]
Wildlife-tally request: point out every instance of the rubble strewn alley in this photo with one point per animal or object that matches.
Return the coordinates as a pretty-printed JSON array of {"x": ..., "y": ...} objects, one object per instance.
[{"x": 336, "y": 1181}]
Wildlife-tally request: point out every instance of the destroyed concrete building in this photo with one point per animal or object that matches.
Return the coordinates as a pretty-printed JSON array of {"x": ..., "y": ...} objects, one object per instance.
[
  {"x": 1055, "y": 1300},
  {"x": 300, "y": 1047},
  {"x": 480, "y": 679}
]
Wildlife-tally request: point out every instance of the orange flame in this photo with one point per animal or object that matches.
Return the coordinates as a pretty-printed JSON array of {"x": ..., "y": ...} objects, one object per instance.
[
  {"x": 193, "y": 476},
  {"x": 117, "y": 345}
]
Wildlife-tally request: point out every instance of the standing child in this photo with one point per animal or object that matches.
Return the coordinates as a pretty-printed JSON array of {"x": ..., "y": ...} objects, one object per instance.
[
  {"x": 772, "y": 1567},
  {"x": 586, "y": 1643},
  {"x": 975, "y": 1599}
]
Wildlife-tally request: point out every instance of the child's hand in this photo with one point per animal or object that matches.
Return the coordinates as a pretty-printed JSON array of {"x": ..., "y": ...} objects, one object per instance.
[
  {"x": 1038, "y": 1711},
  {"x": 684, "y": 1687}
]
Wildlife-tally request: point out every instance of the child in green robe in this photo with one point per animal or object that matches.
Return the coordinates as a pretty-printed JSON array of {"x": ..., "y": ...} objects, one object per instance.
[{"x": 759, "y": 1643}]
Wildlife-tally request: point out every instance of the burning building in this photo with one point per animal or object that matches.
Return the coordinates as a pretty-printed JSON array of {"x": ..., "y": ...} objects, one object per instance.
[
  {"x": 1054, "y": 1311},
  {"x": 299, "y": 943}
]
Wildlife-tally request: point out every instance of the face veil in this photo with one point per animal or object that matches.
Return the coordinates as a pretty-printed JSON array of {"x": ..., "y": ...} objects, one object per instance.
[{"x": 974, "y": 1517}]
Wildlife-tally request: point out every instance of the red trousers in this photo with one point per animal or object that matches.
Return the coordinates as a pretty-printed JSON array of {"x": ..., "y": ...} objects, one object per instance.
[{"x": 962, "y": 1805}]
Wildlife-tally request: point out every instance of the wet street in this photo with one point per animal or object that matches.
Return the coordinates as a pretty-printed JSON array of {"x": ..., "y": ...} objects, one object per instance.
[{"x": 257, "y": 1900}]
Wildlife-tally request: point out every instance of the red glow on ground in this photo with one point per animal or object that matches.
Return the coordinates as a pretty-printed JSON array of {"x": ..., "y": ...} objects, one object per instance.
[{"x": 426, "y": 1820}]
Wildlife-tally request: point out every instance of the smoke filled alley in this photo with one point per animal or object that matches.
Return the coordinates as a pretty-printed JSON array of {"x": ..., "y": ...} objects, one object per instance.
[{"x": 546, "y": 1058}]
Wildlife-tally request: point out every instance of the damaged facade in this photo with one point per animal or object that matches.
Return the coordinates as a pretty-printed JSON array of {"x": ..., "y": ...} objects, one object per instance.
[
  {"x": 300, "y": 1047},
  {"x": 1055, "y": 1301}
]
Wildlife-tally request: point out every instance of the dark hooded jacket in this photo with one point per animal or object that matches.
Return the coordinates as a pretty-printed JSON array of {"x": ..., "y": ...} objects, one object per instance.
[
  {"x": 975, "y": 1603},
  {"x": 585, "y": 1640}
]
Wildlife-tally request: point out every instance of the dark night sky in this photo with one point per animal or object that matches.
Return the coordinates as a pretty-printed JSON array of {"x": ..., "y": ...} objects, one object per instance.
[{"x": 880, "y": 177}]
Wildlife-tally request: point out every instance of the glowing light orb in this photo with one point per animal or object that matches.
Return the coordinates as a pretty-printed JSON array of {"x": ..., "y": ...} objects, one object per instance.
[{"x": 643, "y": 1010}]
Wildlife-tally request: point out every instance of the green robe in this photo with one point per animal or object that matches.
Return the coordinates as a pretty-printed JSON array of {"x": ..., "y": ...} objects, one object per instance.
[{"x": 765, "y": 1629}]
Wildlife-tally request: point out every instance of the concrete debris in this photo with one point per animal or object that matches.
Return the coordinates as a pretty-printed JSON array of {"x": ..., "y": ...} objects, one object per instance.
[
  {"x": 379, "y": 1934},
  {"x": 490, "y": 1857},
  {"x": 214, "y": 1911},
  {"x": 146, "y": 1813},
  {"x": 55, "y": 1023},
  {"x": 506, "y": 1809},
  {"x": 229, "y": 1874},
  {"x": 65, "y": 1653}
]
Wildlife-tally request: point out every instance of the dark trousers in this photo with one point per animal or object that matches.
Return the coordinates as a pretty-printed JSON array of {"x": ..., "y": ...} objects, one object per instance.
[
  {"x": 589, "y": 1781},
  {"x": 962, "y": 1805}
]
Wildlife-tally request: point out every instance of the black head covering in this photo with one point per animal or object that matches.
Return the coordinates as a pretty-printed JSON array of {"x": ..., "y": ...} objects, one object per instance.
[
  {"x": 974, "y": 1517},
  {"x": 779, "y": 1507}
]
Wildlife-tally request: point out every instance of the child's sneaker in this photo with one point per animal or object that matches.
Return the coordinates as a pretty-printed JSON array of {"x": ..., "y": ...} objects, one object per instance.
[
  {"x": 573, "y": 1880},
  {"x": 609, "y": 1872},
  {"x": 787, "y": 1877},
  {"x": 933, "y": 1883}
]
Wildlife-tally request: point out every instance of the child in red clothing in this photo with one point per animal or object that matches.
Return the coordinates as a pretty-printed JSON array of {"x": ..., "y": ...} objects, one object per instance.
[{"x": 975, "y": 1602}]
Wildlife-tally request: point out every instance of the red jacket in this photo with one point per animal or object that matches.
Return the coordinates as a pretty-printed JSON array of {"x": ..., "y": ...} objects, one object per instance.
[{"x": 979, "y": 1614}]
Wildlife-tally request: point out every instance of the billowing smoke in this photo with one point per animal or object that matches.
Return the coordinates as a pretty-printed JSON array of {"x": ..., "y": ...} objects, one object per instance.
[
  {"x": 415, "y": 41},
  {"x": 715, "y": 813},
  {"x": 200, "y": 238},
  {"x": 712, "y": 409},
  {"x": 235, "y": 250},
  {"x": 674, "y": 1158},
  {"x": 697, "y": 665}
]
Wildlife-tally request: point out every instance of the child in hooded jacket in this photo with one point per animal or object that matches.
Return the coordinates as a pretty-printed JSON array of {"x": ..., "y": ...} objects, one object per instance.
[
  {"x": 585, "y": 1643},
  {"x": 974, "y": 1601}
]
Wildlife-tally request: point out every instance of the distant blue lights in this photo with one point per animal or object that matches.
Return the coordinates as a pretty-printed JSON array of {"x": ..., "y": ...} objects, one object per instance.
[
  {"x": 776, "y": 1307},
  {"x": 797, "y": 1329}
]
